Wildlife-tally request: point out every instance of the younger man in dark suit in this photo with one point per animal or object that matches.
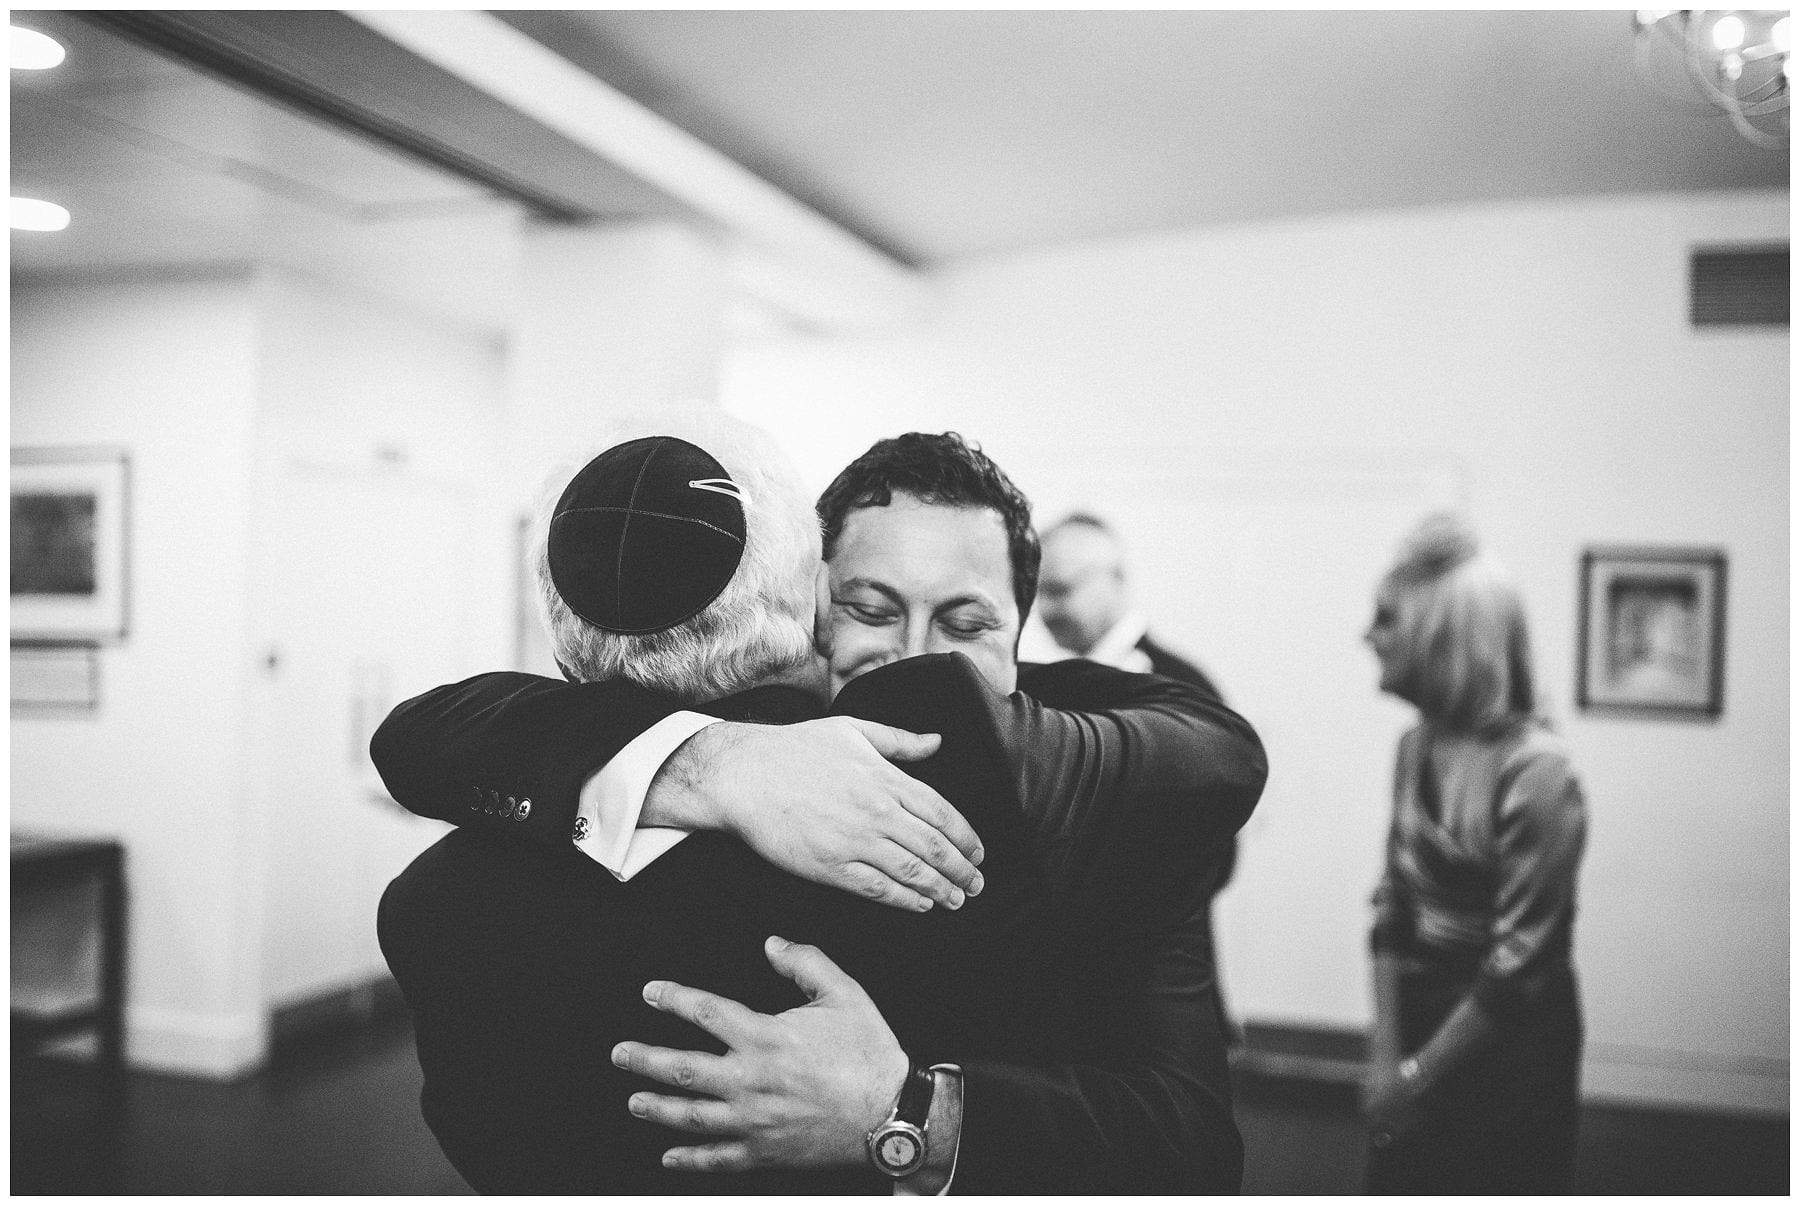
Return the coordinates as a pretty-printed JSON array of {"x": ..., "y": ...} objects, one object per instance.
[
  {"x": 1116, "y": 1085},
  {"x": 1086, "y": 605}
]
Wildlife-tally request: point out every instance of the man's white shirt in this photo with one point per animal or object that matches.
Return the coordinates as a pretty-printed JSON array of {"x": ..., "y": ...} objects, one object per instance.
[
  {"x": 612, "y": 800},
  {"x": 1119, "y": 646}
]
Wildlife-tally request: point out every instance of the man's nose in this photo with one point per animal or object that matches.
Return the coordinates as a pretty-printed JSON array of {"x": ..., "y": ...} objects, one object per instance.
[{"x": 917, "y": 640}]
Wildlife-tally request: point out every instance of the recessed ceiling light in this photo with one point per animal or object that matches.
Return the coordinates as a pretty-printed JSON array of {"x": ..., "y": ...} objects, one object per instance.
[
  {"x": 1728, "y": 32},
  {"x": 28, "y": 214},
  {"x": 33, "y": 51}
]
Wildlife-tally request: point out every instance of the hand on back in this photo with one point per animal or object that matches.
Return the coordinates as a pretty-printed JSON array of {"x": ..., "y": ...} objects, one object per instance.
[{"x": 824, "y": 801}]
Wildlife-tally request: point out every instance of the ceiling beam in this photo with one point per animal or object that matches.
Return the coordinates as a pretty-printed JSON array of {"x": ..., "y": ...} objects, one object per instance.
[
  {"x": 470, "y": 94},
  {"x": 325, "y": 65},
  {"x": 791, "y": 255}
]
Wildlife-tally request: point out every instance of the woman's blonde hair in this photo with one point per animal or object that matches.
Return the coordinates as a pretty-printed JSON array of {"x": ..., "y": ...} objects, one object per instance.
[
  {"x": 761, "y": 624},
  {"x": 1465, "y": 653}
]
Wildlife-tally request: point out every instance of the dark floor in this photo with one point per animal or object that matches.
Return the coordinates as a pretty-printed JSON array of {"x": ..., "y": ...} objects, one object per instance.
[
  {"x": 332, "y": 1117},
  {"x": 1303, "y": 1137},
  {"x": 342, "y": 1117}
]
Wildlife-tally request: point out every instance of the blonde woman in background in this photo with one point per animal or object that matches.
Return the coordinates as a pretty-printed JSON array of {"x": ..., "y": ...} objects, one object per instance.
[{"x": 1475, "y": 1055}]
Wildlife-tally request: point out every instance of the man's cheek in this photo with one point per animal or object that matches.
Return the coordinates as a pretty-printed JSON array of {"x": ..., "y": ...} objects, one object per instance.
[
  {"x": 840, "y": 647},
  {"x": 856, "y": 648},
  {"x": 997, "y": 662}
]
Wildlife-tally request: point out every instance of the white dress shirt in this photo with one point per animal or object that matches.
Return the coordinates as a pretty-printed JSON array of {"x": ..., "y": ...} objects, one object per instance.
[{"x": 1118, "y": 647}]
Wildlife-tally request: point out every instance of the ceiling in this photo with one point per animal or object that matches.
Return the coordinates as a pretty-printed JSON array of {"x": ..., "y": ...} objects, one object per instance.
[
  {"x": 166, "y": 167},
  {"x": 945, "y": 134},
  {"x": 933, "y": 136}
]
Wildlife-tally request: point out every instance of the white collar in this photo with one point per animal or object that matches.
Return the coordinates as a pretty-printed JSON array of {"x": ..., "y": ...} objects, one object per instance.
[{"x": 1119, "y": 646}]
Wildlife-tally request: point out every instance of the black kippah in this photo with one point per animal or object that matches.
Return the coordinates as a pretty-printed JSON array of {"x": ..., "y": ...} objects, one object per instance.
[{"x": 646, "y": 535}]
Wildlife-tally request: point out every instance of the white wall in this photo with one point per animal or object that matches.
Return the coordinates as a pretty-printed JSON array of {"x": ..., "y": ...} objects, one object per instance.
[
  {"x": 311, "y": 471},
  {"x": 1265, "y": 409},
  {"x": 380, "y": 567},
  {"x": 166, "y": 370}
]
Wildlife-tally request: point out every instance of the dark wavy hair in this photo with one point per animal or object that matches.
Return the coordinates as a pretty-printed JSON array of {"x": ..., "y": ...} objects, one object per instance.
[{"x": 944, "y": 470}]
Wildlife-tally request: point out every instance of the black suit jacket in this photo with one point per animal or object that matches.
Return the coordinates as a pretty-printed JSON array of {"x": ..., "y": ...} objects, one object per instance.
[
  {"x": 1074, "y": 990},
  {"x": 1170, "y": 664}
]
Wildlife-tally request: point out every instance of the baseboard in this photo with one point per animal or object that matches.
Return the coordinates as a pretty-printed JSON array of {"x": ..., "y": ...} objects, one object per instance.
[
  {"x": 188, "y": 1044},
  {"x": 1284, "y": 1050},
  {"x": 1649, "y": 1078},
  {"x": 176, "y": 1043},
  {"x": 1611, "y": 1074},
  {"x": 339, "y": 1013}
]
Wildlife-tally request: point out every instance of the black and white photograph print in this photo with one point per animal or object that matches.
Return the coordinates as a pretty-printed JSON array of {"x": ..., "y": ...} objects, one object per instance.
[
  {"x": 1652, "y": 630},
  {"x": 902, "y": 600},
  {"x": 69, "y": 545}
]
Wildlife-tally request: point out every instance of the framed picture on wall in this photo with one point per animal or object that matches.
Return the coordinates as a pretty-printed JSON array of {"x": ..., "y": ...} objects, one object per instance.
[
  {"x": 1652, "y": 637},
  {"x": 70, "y": 531},
  {"x": 55, "y": 678}
]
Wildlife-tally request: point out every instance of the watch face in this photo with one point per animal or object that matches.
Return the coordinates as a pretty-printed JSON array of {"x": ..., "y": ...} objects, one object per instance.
[{"x": 898, "y": 1150}]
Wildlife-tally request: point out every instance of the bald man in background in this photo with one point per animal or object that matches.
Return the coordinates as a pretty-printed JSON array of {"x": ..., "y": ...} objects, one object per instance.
[{"x": 1085, "y": 604}]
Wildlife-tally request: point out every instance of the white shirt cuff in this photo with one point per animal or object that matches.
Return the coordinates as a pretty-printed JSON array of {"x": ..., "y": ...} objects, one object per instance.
[{"x": 612, "y": 799}]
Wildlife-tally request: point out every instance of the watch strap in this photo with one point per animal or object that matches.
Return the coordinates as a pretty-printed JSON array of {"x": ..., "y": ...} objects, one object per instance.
[
  {"x": 939, "y": 1170},
  {"x": 914, "y": 1105}
]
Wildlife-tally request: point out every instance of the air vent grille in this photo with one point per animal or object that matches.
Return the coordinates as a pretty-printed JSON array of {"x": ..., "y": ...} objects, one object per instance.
[{"x": 1738, "y": 287}]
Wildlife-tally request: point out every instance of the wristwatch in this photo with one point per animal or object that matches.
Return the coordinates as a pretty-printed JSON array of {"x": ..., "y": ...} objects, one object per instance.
[{"x": 897, "y": 1146}]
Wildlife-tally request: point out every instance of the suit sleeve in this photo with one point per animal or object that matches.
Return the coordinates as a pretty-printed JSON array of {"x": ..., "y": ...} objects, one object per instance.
[
  {"x": 1148, "y": 767},
  {"x": 1133, "y": 799},
  {"x": 508, "y": 751},
  {"x": 1127, "y": 804}
]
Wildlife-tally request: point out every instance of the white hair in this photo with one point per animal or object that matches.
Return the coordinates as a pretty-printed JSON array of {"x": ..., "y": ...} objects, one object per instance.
[{"x": 759, "y": 627}]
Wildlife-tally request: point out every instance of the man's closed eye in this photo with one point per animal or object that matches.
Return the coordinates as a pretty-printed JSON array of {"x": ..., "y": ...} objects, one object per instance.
[
  {"x": 967, "y": 629},
  {"x": 864, "y": 613}
]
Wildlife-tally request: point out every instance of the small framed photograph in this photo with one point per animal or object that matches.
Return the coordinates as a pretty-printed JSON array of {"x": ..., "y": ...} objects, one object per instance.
[
  {"x": 1652, "y": 637},
  {"x": 70, "y": 530}
]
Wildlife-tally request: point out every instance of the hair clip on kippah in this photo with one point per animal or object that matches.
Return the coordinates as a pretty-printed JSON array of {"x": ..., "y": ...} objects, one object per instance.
[{"x": 719, "y": 485}]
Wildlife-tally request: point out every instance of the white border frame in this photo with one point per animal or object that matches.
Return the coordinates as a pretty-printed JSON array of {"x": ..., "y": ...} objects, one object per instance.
[{"x": 80, "y": 619}]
